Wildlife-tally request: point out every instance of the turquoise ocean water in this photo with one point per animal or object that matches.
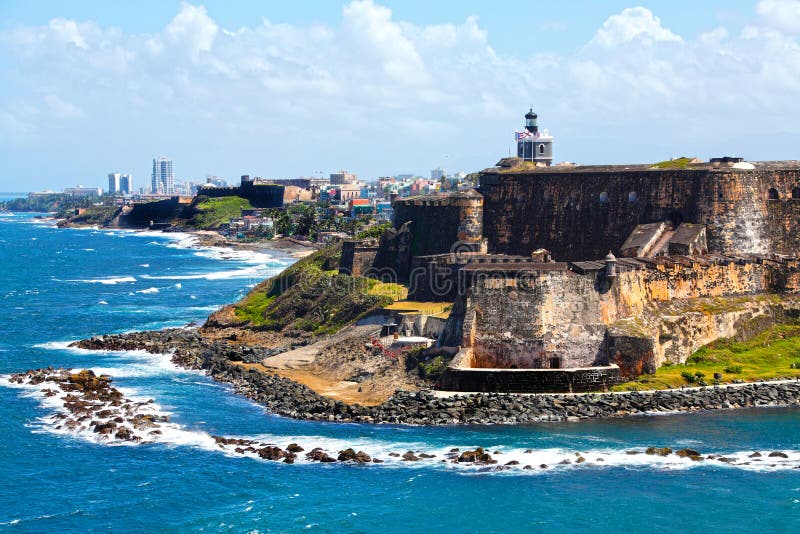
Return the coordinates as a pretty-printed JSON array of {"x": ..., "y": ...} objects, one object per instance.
[{"x": 61, "y": 285}]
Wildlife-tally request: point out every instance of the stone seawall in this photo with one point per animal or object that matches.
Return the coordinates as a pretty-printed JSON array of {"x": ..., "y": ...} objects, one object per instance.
[{"x": 531, "y": 380}]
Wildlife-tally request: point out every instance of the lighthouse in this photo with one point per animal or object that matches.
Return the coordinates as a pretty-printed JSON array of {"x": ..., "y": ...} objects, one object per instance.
[{"x": 533, "y": 145}]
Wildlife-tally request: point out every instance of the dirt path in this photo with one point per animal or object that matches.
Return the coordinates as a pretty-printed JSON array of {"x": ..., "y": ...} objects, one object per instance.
[{"x": 343, "y": 368}]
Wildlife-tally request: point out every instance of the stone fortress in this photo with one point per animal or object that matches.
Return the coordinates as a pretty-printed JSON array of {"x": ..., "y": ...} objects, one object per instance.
[{"x": 574, "y": 278}]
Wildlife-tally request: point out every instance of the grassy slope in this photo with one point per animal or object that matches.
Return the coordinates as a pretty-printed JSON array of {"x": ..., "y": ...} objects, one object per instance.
[
  {"x": 768, "y": 355},
  {"x": 215, "y": 211},
  {"x": 308, "y": 296},
  {"x": 99, "y": 215}
]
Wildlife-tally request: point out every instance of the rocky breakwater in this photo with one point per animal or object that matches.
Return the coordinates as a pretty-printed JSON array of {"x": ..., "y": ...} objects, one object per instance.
[
  {"x": 224, "y": 361},
  {"x": 87, "y": 403}
]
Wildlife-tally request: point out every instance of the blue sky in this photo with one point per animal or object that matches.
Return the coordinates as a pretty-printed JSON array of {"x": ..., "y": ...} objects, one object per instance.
[{"x": 284, "y": 89}]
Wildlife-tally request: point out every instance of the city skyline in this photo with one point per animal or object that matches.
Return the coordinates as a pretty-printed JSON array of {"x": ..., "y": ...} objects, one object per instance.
[{"x": 384, "y": 88}]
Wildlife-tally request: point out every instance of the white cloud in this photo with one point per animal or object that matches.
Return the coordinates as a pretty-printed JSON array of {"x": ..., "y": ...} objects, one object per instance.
[
  {"x": 264, "y": 93},
  {"x": 633, "y": 23},
  {"x": 67, "y": 32},
  {"x": 61, "y": 109},
  {"x": 192, "y": 29},
  {"x": 782, "y": 14}
]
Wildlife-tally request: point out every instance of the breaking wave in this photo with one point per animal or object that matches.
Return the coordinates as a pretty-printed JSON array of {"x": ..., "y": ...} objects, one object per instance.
[{"x": 110, "y": 280}]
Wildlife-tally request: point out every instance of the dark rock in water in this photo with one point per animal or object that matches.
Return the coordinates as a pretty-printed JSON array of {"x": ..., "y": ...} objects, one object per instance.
[
  {"x": 566, "y": 461},
  {"x": 294, "y": 447},
  {"x": 543, "y": 466},
  {"x": 478, "y": 456},
  {"x": 318, "y": 455},
  {"x": 633, "y": 452},
  {"x": 528, "y": 451},
  {"x": 660, "y": 451},
  {"x": 755, "y": 455},
  {"x": 580, "y": 460},
  {"x": 600, "y": 460},
  {"x": 688, "y": 453},
  {"x": 394, "y": 454},
  {"x": 410, "y": 457},
  {"x": 289, "y": 459},
  {"x": 377, "y": 461},
  {"x": 454, "y": 449},
  {"x": 426, "y": 455},
  {"x": 512, "y": 462},
  {"x": 726, "y": 460},
  {"x": 124, "y": 433},
  {"x": 271, "y": 453},
  {"x": 349, "y": 455},
  {"x": 778, "y": 454}
]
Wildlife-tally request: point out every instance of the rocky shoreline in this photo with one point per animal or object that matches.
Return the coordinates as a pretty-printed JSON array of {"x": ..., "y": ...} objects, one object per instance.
[
  {"x": 223, "y": 361},
  {"x": 87, "y": 403}
]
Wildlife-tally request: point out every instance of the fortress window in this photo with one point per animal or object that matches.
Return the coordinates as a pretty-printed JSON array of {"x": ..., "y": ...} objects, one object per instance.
[
  {"x": 773, "y": 194},
  {"x": 796, "y": 193},
  {"x": 603, "y": 197},
  {"x": 541, "y": 149},
  {"x": 632, "y": 196}
]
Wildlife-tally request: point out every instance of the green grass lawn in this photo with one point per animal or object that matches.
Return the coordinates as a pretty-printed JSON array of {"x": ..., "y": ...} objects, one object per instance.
[
  {"x": 677, "y": 163},
  {"x": 774, "y": 353},
  {"x": 215, "y": 211}
]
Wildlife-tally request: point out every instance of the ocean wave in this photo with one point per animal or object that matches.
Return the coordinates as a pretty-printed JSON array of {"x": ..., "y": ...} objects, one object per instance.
[
  {"x": 111, "y": 280},
  {"x": 149, "y": 290},
  {"x": 245, "y": 272}
]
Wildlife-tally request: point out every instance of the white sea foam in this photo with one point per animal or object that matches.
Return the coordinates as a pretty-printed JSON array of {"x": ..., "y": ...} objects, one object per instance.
[
  {"x": 103, "y": 302},
  {"x": 244, "y": 272},
  {"x": 178, "y": 285},
  {"x": 149, "y": 290},
  {"x": 144, "y": 265},
  {"x": 111, "y": 280}
]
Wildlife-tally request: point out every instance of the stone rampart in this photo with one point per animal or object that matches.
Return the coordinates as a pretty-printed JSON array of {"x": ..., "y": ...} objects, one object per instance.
[
  {"x": 582, "y": 212},
  {"x": 559, "y": 316}
]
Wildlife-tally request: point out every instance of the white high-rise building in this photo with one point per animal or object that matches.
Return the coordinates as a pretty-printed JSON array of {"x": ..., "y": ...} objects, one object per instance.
[{"x": 162, "y": 176}]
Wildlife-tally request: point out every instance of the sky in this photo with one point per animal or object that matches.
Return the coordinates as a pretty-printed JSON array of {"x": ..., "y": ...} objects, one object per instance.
[{"x": 287, "y": 89}]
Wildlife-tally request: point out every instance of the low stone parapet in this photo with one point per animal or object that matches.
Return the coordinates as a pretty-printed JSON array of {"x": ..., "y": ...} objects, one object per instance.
[{"x": 575, "y": 380}]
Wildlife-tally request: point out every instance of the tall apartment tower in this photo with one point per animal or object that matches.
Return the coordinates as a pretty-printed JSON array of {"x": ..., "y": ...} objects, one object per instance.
[
  {"x": 162, "y": 176},
  {"x": 114, "y": 183},
  {"x": 126, "y": 184}
]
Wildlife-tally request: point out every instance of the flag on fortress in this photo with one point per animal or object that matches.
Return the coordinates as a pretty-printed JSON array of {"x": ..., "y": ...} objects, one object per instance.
[{"x": 523, "y": 135}]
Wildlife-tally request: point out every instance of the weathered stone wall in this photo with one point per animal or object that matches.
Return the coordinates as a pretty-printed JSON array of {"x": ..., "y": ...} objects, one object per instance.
[
  {"x": 441, "y": 223},
  {"x": 645, "y": 316},
  {"x": 357, "y": 258},
  {"x": 582, "y": 213},
  {"x": 524, "y": 319}
]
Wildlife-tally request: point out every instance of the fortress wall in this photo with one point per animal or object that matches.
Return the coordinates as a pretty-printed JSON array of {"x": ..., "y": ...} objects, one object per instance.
[
  {"x": 581, "y": 214},
  {"x": 439, "y": 223},
  {"x": 523, "y": 320}
]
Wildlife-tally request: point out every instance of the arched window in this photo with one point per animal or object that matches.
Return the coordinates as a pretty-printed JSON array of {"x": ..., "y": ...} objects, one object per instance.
[
  {"x": 796, "y": 193},
  {"x": 773, "y": 194},
  {"x": 541, "y": 149},
  {"x": 632, "y": 196},
  {"x": 603, "y": 197}
]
